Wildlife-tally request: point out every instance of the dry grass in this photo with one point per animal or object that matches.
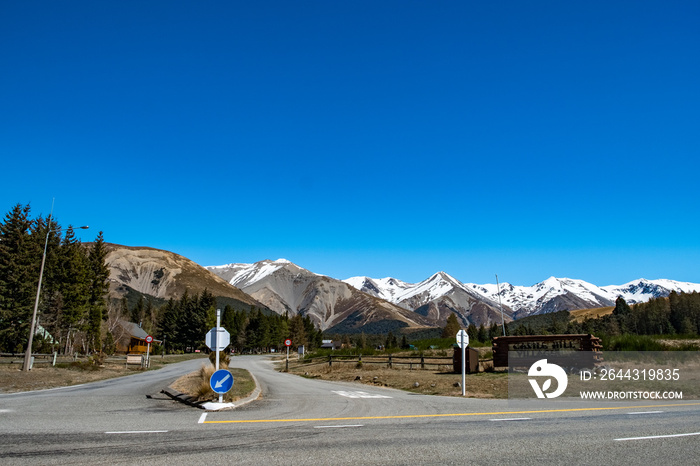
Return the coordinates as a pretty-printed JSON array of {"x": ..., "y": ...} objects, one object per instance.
[
  {"x": 197, "y": 384},
  {"x": 429, "y": 382},
  {"x": 43, "y": 376},
  {"x": 583, "y": 314}
]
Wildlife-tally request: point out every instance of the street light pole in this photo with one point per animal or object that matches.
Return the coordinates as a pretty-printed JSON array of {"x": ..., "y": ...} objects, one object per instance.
[{"x": 28, "y": 353}]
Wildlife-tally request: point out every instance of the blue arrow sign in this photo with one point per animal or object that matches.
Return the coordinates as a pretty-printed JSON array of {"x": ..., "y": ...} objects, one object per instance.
[{"x": 221, "y": 381}]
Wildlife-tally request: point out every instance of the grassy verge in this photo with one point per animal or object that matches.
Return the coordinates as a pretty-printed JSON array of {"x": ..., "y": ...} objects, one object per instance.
[
  {"x": 44, "y": 376},
  {"x": 423, "y": 381}
]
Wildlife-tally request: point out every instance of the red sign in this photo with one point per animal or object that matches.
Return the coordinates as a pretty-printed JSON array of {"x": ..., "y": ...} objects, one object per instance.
[
  {"x": 149, "y": 339},
  {"x": 287, "y": 342}
]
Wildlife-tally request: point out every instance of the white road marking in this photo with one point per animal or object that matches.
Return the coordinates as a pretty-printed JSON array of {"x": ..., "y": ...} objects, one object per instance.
[
  {"x": 137, "y": 432},
  {"x": 657, "y": 436},
  {"x": 338, "y": 427},
  {"x": 513, "y": 419},
  {"x": 5, "y": 410},
  {"x": 202, "y": 418},
  {"x": 647, "y": 412},
  {"x": 358, "y": 394}
]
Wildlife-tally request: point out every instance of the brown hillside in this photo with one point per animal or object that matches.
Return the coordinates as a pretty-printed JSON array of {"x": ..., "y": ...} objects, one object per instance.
[{"x": 164, "y": 274}]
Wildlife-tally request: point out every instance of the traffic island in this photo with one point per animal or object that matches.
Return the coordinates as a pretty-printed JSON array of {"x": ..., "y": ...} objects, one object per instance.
[{"x": 194, "y": 389}]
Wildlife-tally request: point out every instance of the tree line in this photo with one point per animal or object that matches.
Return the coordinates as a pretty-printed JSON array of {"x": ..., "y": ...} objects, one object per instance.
[
  {"x": 74, "y": 289},
  {"x": 181, "y": 325},
  {"x": 679, "y": 313}
]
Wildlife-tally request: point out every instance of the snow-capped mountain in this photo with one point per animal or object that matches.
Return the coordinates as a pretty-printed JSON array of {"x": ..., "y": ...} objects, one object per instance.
[
  {"x": 551, "y": 295},
  {"x": 435, "y": 298},
  {"x": 285, "y": 287},
  {"x": 643, "y": 290}
]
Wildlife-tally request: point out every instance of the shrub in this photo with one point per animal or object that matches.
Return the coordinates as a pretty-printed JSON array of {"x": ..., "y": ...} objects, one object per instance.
[{"x": 224, "y": 359}]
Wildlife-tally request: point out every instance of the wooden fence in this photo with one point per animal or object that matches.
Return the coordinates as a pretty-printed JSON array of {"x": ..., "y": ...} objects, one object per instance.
[
  {"x": 390, "y": 361},
  {"x": 52, "y": 358}
]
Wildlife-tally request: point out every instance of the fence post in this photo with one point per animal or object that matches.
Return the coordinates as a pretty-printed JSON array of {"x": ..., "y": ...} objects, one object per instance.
[
  {"x": 55, "y": 353},
  {"x": 422, "y": 361},
  {"x": 330, "y": 360},
  {"x": 390, "y": 365}
]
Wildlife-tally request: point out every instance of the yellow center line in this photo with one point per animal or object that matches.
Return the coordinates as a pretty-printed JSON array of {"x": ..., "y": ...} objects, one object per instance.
[{"x": 415, "y": 416}]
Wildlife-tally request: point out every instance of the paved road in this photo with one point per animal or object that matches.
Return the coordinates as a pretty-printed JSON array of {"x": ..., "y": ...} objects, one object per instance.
[{"x": 301, "y": 421}]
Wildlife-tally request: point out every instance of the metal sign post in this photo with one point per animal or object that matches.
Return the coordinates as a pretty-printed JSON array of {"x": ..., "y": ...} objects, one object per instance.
[
  {"x": 216, "y": 343},
  {"x": 216, "y": 339},
  {"x": 149, "y": 339},
  {"x": 287, "y": 343},
  {"x": 463, "y": 342}
]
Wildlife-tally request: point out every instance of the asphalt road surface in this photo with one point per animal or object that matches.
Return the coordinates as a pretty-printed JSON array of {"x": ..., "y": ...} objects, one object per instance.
[{"x": 301, "y": 421}]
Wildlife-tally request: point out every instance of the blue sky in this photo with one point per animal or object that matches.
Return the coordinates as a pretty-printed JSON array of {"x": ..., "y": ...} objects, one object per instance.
[{"x": 526, "y": 139}]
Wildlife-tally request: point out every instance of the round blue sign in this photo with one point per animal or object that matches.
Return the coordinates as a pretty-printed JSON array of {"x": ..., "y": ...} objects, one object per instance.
[{"x": 221, "y": 381}]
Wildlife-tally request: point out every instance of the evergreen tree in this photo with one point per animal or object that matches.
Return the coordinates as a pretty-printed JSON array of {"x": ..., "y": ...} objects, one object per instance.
[
  {"x": 622, "y": 312},
  {"x": 167, "y": 325},
  {"x": 99, "y": 289},
  {"x": 19, "y": 276},
  {"x": 51, "y": 300},
  {"x": 74, "y": 288},
  {"x": 451, "y": 326},
  {"x": 297, "y": 331},
  {"x": 472, "y": 332},
  {"x": 139, "y": 311},
  {"x": 481, "y": 334}
]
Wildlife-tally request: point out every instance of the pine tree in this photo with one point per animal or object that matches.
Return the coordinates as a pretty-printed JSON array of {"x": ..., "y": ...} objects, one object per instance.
[
  {"x": 297, "y": 332},
  {"x": 623, "y": 313},
  {"x": 451, "y": 327},
  {"x": 99, "y": 289},
  {"x": 472, "y": 332},
  {"x": 19, "y": 263},
  {"x": 167, "y": 325},
  {"x": 481, "y": 333},
  {"x": 51, "y": 302},
  {"x": 74, "y": 287}
]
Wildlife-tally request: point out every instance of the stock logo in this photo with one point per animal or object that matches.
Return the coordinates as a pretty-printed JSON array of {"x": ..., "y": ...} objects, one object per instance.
[{"x": 542, "y": 369}]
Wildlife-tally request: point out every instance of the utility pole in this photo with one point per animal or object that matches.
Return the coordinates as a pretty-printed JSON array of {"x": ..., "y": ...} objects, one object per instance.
[{"x": 503, "y": 324}]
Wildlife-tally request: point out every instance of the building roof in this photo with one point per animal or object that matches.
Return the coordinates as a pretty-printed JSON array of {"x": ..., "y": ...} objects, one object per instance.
[{"x": 134, "y": 330}]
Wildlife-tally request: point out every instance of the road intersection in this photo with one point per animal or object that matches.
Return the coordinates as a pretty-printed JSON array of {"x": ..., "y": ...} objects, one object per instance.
[{"x": 298, "y": 420}]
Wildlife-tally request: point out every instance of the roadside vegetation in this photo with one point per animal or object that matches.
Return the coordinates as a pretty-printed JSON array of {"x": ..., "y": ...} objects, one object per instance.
[
  {"x": 84, "y": 370},
  {"x": 197, "y": 384}
]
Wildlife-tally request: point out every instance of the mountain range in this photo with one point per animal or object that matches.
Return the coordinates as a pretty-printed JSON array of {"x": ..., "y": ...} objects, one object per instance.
[
  {"x": 333, "y": 305},
  {"x": 439, "y": 295},
  {"x": 551, "y": 295},
  {"x": 364, "y": 304}
]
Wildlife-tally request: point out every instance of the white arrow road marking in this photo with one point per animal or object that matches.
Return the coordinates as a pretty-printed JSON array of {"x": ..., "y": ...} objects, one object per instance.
[
  {"x": 358, "y": 394},
  {"x": 221, "y": 382}
]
